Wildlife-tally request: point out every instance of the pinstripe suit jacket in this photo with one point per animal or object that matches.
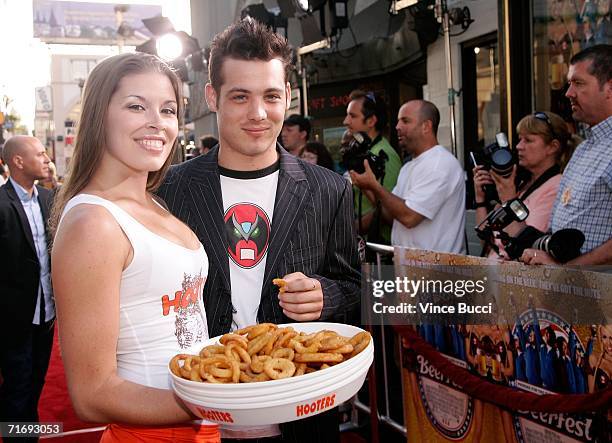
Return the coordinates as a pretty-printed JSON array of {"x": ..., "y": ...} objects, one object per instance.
[{"x": 312, "y": 232}]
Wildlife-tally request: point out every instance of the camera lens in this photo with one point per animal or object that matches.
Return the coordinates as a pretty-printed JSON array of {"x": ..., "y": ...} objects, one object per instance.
[{"x": 502, "y": 162}]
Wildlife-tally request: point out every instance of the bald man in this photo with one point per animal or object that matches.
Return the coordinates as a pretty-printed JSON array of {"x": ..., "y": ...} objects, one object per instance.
[
  {"x": 427, "y": 206},
  {"x": 27, "y": 309}
]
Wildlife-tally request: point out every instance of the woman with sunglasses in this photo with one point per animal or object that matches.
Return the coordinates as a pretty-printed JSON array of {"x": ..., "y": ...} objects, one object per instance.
[{"x": 544, "y": 148}]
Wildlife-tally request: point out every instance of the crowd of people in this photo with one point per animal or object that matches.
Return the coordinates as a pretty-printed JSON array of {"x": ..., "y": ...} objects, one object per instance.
[{"x": 126, "y": 227}]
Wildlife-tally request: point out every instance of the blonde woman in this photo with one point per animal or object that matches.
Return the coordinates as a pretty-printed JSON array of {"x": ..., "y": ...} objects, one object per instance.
[
  {"x": 120, "y": 260},
  {"x": 544, "y": 148},
  {"x": 602, "y": 363}
]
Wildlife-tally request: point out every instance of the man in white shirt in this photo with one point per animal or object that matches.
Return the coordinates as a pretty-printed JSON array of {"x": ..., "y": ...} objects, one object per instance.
[{"x": 427, "y": 206}]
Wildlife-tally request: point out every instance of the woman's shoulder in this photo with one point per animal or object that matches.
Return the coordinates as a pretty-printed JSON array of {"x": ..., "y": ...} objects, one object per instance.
[{"x": 86, "y": 222}]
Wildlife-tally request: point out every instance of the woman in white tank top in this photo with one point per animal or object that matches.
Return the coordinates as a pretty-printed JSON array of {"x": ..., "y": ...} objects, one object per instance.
[{"x": 127, "y": 275}]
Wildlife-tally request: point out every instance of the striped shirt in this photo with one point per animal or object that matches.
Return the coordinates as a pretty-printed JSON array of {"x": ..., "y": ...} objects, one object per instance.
[{"x": 584, "y": 200}]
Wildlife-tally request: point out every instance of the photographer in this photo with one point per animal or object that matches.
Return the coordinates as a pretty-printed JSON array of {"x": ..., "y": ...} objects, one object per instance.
[
  {"x": 544, "y": 142},
  {"x": 368, "y": 113},
  {"x": 427, "y": 206},
  {"x": 584, "y": 199}
]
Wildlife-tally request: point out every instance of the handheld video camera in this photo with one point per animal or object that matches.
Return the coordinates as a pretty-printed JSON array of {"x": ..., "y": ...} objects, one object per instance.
[{"x": 358, "y": 150}]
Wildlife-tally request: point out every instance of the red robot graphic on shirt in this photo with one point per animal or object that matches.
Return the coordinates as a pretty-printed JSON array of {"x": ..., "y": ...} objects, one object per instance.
[{"x": 248, "y": 232}]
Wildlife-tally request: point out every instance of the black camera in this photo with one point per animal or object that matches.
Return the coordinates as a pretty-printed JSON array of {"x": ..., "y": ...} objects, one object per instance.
[
  {"x": 497, "y": 157},
  {"x": 358, "y": 150},
  {"x": 511, "y": 211},
  {"x": 564, "y": 245}
]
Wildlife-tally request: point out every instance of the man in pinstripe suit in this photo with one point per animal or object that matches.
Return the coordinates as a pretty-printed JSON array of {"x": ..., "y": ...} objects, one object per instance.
[{"x": 262, "y": 213}]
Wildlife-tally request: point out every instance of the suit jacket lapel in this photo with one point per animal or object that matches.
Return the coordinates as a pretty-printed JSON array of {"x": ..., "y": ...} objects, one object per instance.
[
  {"x": 25, "y": 224},
  {"x": 203, "y": 192},
  {"x": 291, "y": 193}
]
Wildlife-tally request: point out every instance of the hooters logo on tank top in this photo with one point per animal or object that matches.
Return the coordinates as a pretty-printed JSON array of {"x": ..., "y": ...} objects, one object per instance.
[{"x": 248, "y": 232}]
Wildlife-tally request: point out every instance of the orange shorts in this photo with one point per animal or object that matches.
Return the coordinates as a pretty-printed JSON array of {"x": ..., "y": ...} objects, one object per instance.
[{"x": 187, "y": 433}]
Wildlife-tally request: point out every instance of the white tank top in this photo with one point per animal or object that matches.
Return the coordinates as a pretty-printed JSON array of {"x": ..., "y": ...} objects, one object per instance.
[{"x": 161, "y": 308}]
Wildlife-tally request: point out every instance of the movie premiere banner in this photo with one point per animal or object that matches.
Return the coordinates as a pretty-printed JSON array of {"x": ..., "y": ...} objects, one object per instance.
[
  {"x": 90, "y": 23},
  {"x": 530, "y": 370}
]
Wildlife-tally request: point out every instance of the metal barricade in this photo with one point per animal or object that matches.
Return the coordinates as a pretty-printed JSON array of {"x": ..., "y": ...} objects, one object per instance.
[{"x": 384, "y": 361}]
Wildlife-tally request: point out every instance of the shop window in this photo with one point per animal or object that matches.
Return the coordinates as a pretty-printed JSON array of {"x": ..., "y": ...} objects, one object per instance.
[
  {"x": 562, "y": 29},
  {"x": 481, "y": 97}
]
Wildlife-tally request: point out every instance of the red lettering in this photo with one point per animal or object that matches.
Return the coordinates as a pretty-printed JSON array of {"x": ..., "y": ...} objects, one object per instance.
[
  {"x": 167, "y": 303},
  {"x": 320, "y": 403},
  {"x": 216, "y": 415},
  {"x": 317, "y": 103},
  {"x": 317, "y": 405}
]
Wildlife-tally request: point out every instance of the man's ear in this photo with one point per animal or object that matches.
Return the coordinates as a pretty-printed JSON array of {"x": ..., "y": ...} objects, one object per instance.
[
  {"x": 211, "y": 97},
  {"x": 288, "y": 94},
  {"x": 17, "y": 161},
  {"x": 371, "y": 121},
  {"x": 608, "y": 89}
]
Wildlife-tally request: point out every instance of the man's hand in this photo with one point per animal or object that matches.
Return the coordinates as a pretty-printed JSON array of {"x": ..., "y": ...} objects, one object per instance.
[
  {"x": 537, "y": 257},
  {"x": 365, "y": 181},
  {"x": 302, "y": 298}
]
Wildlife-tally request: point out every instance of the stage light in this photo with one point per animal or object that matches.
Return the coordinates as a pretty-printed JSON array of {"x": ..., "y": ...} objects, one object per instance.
[
  {"x": 169, "y": 47},
  {"x": 309, "y": 6},
  {"x": 303, "y": 5},
  {"x": 277, "y": 22}
]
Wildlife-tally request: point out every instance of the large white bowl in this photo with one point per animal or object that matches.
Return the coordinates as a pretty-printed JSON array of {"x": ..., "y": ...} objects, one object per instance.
[
  {"x": 272, "y": 386},
  {"x": 278, "y": 411},
  {"x": 279, "y": 401},
  {"x": 283, "y": 384},
  {"x": 254, "y": 395}
]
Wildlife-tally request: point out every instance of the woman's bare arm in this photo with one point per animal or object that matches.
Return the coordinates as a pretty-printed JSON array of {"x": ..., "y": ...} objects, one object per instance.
[{"x": 89, "y": 254}]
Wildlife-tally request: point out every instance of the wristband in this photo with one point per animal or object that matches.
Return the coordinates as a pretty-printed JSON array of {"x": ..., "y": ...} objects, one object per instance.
[{"x": 481, "y": 205}]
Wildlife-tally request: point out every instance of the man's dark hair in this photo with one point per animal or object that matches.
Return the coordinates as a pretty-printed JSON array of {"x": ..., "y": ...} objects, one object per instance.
[
  {"x": 246, "y": 40},
  {"x": 601, "y": 62},
  {"x": 208, "y": 141},
  {"x": 298, "y": 120},
  {"x": 429, "y": 111},
  {"x": 372, "y": 104}
]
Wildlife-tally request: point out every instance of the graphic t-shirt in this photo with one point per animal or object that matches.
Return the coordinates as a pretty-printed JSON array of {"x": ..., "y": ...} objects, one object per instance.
[{"x": 248, "y": 205}]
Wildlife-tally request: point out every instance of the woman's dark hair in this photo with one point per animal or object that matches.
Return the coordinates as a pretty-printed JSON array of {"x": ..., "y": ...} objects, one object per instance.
[{"x": 323, "y": 156}]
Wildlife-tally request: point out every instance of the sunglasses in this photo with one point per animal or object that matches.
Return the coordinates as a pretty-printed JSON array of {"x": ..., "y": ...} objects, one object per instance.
[
  {"x": 371, "y": 97},
  {"x": 543, "y": 117}
]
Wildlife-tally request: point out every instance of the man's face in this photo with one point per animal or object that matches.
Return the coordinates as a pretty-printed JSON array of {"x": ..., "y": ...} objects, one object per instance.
[
  {"x": 591, "y": 103},
  {"x": 354, "y": 120},
  {"x": 293, "y": 138},
  {"x": 34, "y": 160},
  {"x": 250, "y": 107},
  {"x": 409, "y": 127}
]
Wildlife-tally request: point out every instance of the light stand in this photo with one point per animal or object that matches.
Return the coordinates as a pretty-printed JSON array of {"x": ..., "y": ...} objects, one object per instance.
[
  {"x": 442, "y": 14},
  {"x": 322, "y": 44}
]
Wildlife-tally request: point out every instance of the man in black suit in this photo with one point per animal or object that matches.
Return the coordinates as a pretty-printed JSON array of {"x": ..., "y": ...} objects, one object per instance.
[
  {"x": 262, "y": 213},
  {"x": 27, "y": 309}
]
